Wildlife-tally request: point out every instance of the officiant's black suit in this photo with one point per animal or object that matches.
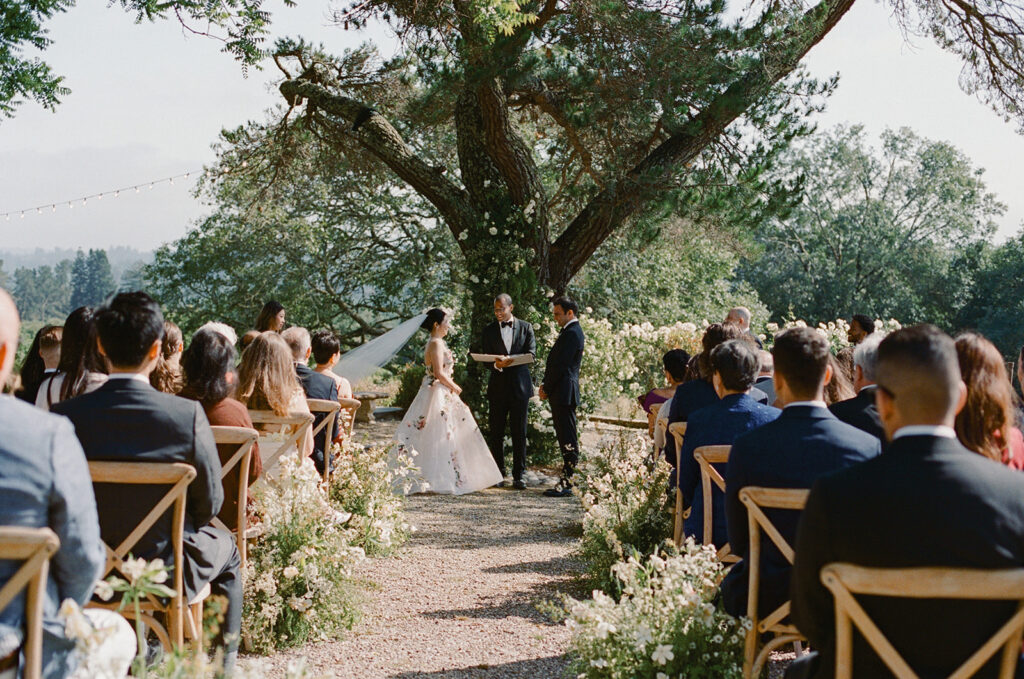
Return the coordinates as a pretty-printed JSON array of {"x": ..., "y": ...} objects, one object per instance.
[
  {"x": 562, "y": 386},
  {"x": 127, "y": 420},
  {"x": 509, "y": 391},
  {"x": 926, "y": 501}
]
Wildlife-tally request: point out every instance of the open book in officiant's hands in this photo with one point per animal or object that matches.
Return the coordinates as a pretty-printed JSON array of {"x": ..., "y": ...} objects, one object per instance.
[{"x": 517, "y": 359}]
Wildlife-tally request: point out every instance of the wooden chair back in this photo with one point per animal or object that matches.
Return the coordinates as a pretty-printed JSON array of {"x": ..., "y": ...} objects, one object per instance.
[
  {"x": 349, "y": 408},
  {"x": 33, "y": 547},
  {"x": 652, "y": 419},
  {"x": 243, "y": 439},
  {"x": 756, "y": 499},
  {"x": 176, "y": 475},
  {"x": 294, "y": 427},
  {"x": 707, "y": 456},
  {"x": 678, "y": 431},
  {"x": 845, "y": 580},
  {"x": 331, "y": 409}
]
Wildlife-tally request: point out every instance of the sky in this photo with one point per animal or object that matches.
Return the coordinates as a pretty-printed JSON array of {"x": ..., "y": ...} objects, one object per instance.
[{"x": 149, "y": 100}]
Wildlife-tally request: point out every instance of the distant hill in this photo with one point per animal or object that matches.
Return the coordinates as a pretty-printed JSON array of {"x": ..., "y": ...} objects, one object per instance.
[{"x": 120, "y": 257}]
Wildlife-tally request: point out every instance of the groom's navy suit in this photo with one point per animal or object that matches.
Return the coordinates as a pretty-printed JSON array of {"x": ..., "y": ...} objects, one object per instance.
[
  {"x": 562, "y": 387},
  {"x": 509, "y": 391}
]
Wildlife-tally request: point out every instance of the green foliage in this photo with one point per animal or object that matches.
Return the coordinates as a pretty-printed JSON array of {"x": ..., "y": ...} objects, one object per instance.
[
  {"x": 410, "y": 377},
  {"x": 996, "y": 303},
  {"x": 625, "y": 504},
  {"x": 91, "y": 279},
  {"x": 43, "y": 293},
  {"x": 893, "y": 232}
]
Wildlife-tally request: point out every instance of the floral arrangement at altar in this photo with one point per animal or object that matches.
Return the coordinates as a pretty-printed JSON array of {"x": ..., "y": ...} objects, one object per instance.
[{"x": 663, "y": 625}]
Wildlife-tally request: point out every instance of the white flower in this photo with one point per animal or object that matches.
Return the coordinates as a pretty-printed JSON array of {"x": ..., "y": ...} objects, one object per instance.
[
  {"x": 291, "y": 572},
  {"x": 600, "y": 662},
  {"x": 662, "y": 675},
  {"x": 493, "y": 231},
  {"x": 662, "y": 654},
  {"x": 473, "y": 278},
  {"x": 464, "y": 235},
  {"x": 643, "y": 637},
  {"x": 604, "y": 629},
  {"x": 103, "y": 590},
  {"x": 133, "y": 569}
]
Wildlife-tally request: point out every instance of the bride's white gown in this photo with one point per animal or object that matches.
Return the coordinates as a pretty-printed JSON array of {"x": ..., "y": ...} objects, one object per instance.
[{"x": 451, "y": 453}]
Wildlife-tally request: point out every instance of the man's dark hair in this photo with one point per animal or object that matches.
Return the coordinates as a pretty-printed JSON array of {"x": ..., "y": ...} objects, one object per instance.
[
  {"x": 675, "y": 361},
  {"x": 866, "y": 323},
  {"x": 324, "y": 344},
  {"x": 801, "y": 356},
  {"x": 567, "y": 305},
  {"x": 715, "y": 334},
  {"x": 127, "y": 326},
  {"x": 736, "y": 363},
  {"x": 205, "y": 366},
  {"x": 920, "y": 363}
]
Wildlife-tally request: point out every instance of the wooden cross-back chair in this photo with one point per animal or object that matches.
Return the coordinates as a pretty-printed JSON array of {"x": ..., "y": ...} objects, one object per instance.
[
  {"x": 707, "y": 456},
  {"x": 183, "y": 617},
  {"x": 243, "y": 439},
  {"x": 331, "y": 409},
  {"x": 678, "y": 431},
  {"x": 652, "y": 420},
  {"x": 33, "y": 547},
  {"x": 294, "y": 426},
  {"x": 756, "y": 499},
  {"x": 349, "y": 408},
  {"x": 845, "y": 580}
]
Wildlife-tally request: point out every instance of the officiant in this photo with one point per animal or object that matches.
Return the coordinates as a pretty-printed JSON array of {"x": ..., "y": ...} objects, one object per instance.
[{"x": 510, "y": 387}]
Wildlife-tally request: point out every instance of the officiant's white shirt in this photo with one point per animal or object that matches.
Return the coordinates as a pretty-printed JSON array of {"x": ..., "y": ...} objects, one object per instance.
[{"x": 506, "y": 334}]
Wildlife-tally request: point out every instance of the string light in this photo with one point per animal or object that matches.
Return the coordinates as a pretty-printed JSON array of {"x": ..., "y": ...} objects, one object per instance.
[{"x": 112, "y": 193}]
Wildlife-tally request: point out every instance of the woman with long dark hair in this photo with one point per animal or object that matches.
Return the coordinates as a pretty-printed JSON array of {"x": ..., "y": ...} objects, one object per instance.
[
  {"x": 271, "y": 317},
  {"x": 43, "y": 356},
  {"x": 986, "y": 423},
  {"x": 81, "y": 368}
]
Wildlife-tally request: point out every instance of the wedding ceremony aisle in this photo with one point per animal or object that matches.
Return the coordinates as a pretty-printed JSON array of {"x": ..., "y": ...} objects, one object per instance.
[{"x": 459, "y": 601}]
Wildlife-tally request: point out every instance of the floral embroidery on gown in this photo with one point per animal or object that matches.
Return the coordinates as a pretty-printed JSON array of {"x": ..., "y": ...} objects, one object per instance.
[{"x": 450, "y": 452}]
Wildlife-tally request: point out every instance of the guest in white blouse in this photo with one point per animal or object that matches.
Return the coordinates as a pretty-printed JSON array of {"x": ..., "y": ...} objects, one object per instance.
[{"x": 81, "y": 368}]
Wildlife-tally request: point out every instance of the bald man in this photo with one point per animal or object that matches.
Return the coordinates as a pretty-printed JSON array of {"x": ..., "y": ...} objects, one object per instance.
[
  {"x": 927, "y": 501},
  {"x": 740, "y": 315},
  {"x": 44, "y": 482}
]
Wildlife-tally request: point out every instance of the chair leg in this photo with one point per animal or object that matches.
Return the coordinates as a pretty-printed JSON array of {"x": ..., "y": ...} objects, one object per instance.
[{"x": 195, "y": 625}]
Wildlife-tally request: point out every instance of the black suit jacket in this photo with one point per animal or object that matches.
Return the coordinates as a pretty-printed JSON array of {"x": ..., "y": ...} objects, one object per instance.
[
  {"x": 927, "y": 502},
  {"x": 804, "y": 443},
  {"x": 128, "y": 420},
  {"x": 861, "y": 412},
  {"x": 323, "y": 387},
  {"x": 515, "y": 381},
  {"x": 562, "y": 371}
]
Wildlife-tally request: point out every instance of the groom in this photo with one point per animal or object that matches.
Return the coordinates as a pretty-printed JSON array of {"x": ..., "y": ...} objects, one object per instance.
[
  {"x": 561, "y": 388},
  {"x": 510, "y": 387}
]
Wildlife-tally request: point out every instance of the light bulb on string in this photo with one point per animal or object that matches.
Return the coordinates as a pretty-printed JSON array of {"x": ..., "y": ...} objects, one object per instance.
[
  {"x": 136, "y": 189},
  {"x": 84, "y": 201},
  {"x": 99, "y": 197},
  {"x": 39, "y": 210},
  {"x": 7, "y": 217},
  {"x": 151, "y": 186},
  {"x": 23, "y": 214},
  {"x": 172, "y": 181},
  {"x": 53, "y": 208},
  {"x": 186, "y": 175},
  {"x": 71, "y": 206},
  {"x": 117, "y": 193}
]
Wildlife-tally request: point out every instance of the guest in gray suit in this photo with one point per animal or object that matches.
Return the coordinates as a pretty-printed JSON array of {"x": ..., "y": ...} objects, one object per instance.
[
  {"x": 766, "y": 376},
  {"x": 44, "y": 482}
]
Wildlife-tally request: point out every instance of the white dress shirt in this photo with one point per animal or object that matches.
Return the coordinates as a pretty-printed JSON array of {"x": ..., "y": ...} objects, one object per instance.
[
  {"x": 939, "y": 430},
  {"x": 506, "y": 334},
  {"x": 812, "y": 404}
]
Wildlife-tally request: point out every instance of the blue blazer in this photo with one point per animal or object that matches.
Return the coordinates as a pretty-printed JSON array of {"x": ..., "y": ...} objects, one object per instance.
[
  {"x": 717, "y": 424},
  {"x": 791, "y": 452},
  {"x": 690, "y": 397}
]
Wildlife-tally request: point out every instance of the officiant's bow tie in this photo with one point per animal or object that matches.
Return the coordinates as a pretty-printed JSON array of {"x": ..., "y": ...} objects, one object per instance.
[{"x": 506, "y": 324}]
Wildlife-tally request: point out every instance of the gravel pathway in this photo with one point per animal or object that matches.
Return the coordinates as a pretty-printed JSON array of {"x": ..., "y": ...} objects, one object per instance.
[{"x": 459, "y": 601}]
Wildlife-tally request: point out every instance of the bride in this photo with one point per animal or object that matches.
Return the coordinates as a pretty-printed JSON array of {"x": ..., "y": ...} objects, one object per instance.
[{"x": 439, "y": 429}]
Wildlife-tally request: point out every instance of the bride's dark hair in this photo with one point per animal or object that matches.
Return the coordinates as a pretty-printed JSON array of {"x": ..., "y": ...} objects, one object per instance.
[{"x": 434, "y": 316}]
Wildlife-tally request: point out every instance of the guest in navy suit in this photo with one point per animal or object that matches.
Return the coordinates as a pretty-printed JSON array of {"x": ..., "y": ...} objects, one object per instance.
[
  {"x": 316, "y": 385},
  {"x": 561, "y": 388},
  {"x": 805, "y": 442},
  {"x": 734, "y": 366},
  {"x": 928, "y": 501},
  {"x": 698, "y": 393},
  {"x": 860, "y": 411}
]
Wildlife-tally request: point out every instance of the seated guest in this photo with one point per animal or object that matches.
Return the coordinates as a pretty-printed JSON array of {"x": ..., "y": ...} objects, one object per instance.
[
  {"x": 127, "y": 420},
  {"x": 81, "y": 368},
  {"x": 267, "y": 381},
  {"x": 316, "y": 386},
  {"x": 860, "y": 411},
  {"x": 271, "y": 317},
  {"x": 675, "y": 363},
  {"x": 223, "y": 328},
  {"x": 805, "y": 442},
  {"x": 326, "y": 352},
  {"x": 208, "y": 368},
  {"x": 861, "y": 326},
  {"x": 44, "y": 482},
  {"x": 740, "y": 316},
  {"x": 734, "y": 366},
  {"x": 166, "y": 377},
  {"x": 40, "y": 361},
  {"x": 986, "y": 423},
  {"x": 764, "y": 376},
  {"x": 927, "y": 502},
  {"x": 699, "y": 392},
  {"x": 840, "y": 387}
]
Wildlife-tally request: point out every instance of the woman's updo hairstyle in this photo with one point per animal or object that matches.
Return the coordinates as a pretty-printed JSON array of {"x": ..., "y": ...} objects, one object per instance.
[{"x": 434, "y": 316}]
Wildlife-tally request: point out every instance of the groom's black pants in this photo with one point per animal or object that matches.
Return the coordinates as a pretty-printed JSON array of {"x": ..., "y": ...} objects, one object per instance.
[
  {"x": 563, "y": 417},
  {"x": 513, "y": 412}
]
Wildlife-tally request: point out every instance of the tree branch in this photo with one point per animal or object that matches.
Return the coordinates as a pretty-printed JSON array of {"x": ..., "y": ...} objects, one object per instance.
[
  {"x": 610, "y": 208},
  {"x": 374, "y": 133}
]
